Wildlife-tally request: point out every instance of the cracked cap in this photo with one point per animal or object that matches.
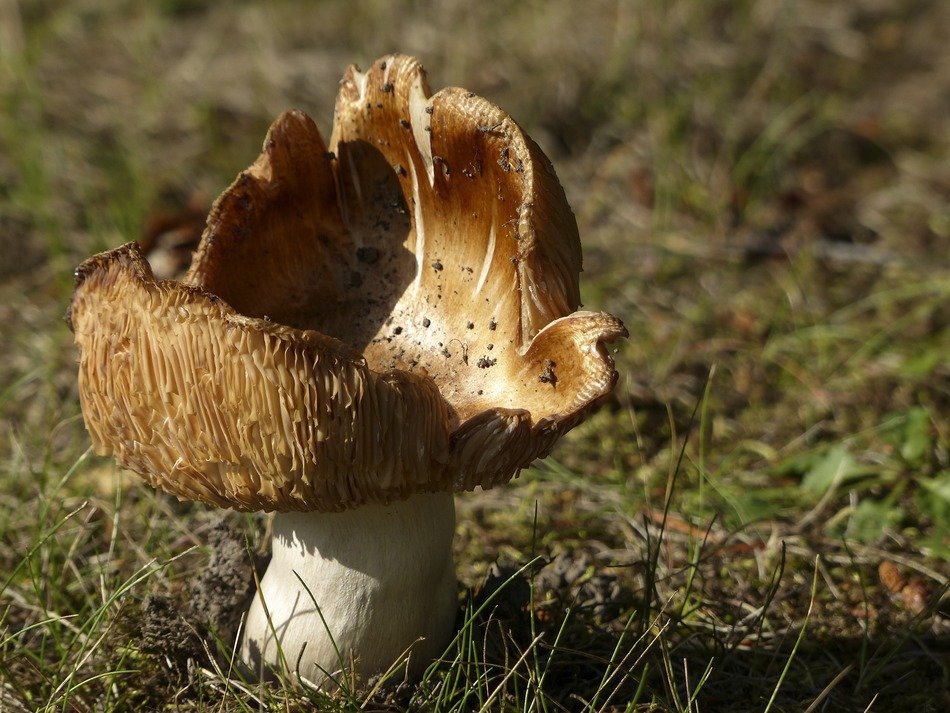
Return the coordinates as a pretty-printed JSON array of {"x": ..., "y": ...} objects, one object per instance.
[{"x": 394, "y": 315}]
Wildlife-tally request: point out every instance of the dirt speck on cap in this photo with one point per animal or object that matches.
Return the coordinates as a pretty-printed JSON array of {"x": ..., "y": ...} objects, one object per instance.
[{"x": 367, "y": 255}]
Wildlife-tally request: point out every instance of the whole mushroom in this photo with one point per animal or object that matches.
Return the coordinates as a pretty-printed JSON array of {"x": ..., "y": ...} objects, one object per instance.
[{"x": 363, "y": 331}]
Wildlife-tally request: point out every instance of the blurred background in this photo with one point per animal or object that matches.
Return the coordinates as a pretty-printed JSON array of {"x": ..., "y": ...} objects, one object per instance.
[
  {"x": 763, "y": 195},
  {"x": 762, "y": 185}
]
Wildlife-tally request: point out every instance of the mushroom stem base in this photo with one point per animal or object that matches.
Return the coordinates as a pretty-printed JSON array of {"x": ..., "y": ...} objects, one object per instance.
[{"x": 355, "y": 591}]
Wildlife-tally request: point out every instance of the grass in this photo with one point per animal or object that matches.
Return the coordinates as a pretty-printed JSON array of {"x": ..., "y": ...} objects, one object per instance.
[{"x": 758, "y": 521}]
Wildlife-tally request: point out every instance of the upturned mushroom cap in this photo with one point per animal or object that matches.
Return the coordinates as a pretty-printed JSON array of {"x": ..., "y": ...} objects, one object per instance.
[{"x": 392, "y": 316}]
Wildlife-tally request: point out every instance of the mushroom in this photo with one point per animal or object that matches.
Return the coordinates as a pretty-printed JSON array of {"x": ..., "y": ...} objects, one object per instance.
[{"x": 364, "y": 331}]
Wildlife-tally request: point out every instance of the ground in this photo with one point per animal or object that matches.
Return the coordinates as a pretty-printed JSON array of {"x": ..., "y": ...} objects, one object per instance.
[{"x": 757, "y": 520}]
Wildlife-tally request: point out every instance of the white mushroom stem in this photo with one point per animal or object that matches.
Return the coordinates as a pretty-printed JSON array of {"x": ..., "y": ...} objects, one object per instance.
[{"x": 383, "y": 578}]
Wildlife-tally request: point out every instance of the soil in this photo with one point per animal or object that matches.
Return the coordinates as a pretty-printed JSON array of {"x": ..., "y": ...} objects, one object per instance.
[{"x": 182, "y": 628}]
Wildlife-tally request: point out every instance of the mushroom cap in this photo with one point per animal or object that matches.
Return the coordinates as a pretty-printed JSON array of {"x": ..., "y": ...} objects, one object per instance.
[{"x": 392, "y": 316}]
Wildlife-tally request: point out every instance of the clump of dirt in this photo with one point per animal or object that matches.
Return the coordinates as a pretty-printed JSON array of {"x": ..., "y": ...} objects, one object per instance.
[
  {"x": 573, "y": 577},
  {"x": 503, "y": 602},
  {"x": 182, "y": 628},
  {"x": 509, "y": 595}
]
